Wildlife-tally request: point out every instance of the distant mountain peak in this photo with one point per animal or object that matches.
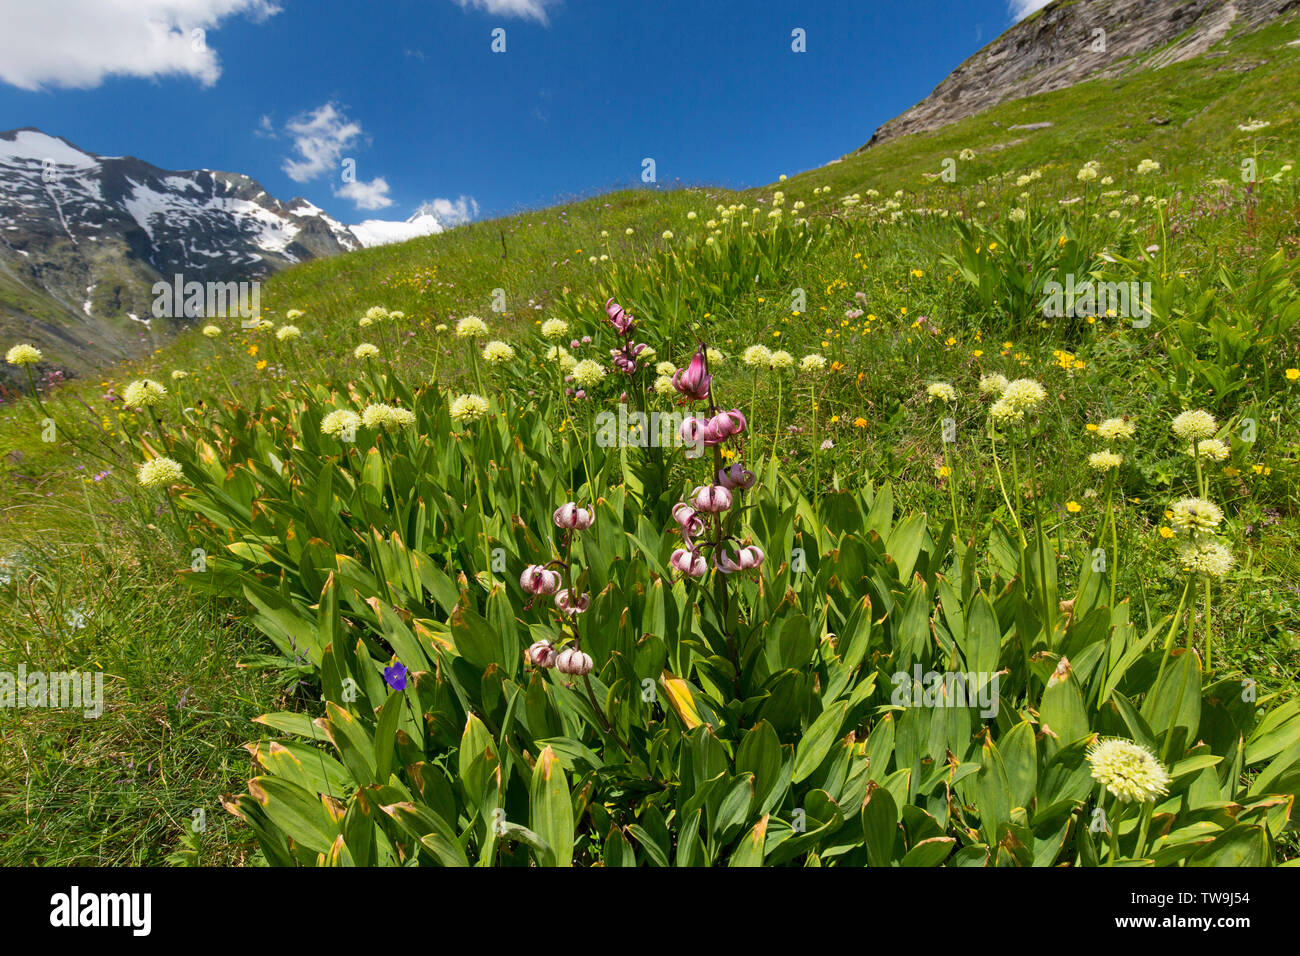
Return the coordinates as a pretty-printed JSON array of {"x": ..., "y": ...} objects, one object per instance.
[{"x": 378, "y": 232}]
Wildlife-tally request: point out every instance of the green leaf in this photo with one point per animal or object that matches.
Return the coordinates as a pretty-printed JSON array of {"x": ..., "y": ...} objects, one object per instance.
[
  {"x": 474, "y": 639},
  {"x": 1175, "y": 700},
  {"x": 1062, "y": 709},
  {"x": 477, "y": 759},
  {"x": 299, "y": 813},
  {"x": 759, "y": 755},
  {"x": 817, "y": 740},
  {"x": 879, "y": 825},
  {"x": 931, "y": 852},
  {"x": 386, "y": 734},
  {"x": 1241, "y": 845},
  {"x": 750, "y": 851},
  {"x": 993, "y": 792},
  {"x": 431, "y": 830},
  {"x": 300, "y": 725},
  {"x": 1020, "y": 758},
  {"x": 552, "y": 808},
  {"x": 734, "y": 809}
]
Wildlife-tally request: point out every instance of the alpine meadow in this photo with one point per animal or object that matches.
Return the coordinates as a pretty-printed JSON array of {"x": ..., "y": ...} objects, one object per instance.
[{"x": 933, "y": 507}]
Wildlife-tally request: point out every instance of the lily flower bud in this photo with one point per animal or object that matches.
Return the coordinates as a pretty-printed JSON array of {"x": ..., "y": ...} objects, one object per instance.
[
  {"x": 744, "y": 559},
  {"x": 573, "y": 662},
  {"x": 694, "y": 380},
  {"x": 570, "y": 517},
  {"x": 712, "y": 498}
]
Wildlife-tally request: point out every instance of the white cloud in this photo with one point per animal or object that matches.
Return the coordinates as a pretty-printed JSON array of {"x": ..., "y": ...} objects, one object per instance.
[
  {"x": 78, "y": 43},
  {"x": 367, "y": 195},
  {"x": 1023, "y": 8},
  {"x": 450, "y": 212},
  {"x": 525, "y": 9},
  {"x": 319, "y": 138}
]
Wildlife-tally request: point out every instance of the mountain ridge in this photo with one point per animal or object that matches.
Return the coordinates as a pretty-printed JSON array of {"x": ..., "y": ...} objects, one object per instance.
[
  {"x": 84, "y": 237},
  {"x": 1060, "y": 45}
]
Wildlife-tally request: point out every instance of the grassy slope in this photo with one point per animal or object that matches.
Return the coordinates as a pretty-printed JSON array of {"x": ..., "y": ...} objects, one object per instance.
[{"x": 122, "y": 789}]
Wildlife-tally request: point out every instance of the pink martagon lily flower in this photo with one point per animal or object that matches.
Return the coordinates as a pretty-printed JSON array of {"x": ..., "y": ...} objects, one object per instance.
[
  {"x": 727, "y": 424},
  {"x": 566, "y": 602},
  {"x": 689, "y": 563},
  {"x": 622, "y": 322},
  {"x": 735, "y": 476},
  {"x": 687, "y": 519},
  {"x": 745, "y": 559},
  {"x": 537, "y": 579},
  {"x": 695, "y": 430}
]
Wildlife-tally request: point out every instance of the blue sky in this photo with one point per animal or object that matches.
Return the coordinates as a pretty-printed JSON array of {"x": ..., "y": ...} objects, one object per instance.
[{"x": 286, "y": 90}]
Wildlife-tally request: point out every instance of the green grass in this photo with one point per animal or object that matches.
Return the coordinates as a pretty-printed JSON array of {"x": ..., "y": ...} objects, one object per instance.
[{"x": 121, "y": 789}]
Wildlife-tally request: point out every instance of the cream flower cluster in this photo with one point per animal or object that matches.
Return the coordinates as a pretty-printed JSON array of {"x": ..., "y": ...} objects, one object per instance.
[
  {"x": 1199, "y": 519},
  {"x": 588, "y": 373},
  {"x": 1195, "y": 424},
  {"x": 1018, "y": 398},
  {"x": 1112, "y": 429},
  {"x": 159, "y": 472},
  {"x": 340, "y": 423},
  {"x": 1105, "y": 460},
  {"x": 993, "y": 384},
  {"x": 1128, "y": 770},
  {"x": 384, "y": 416},
  {"x": 942, "y": 391},
  {"x": 469, "y": 408},
  {"x": 1116, "y": 429},
  {"x": 1208, "y": 557},
  {"x": 145, "y": 393},
  {"x": 23, "y": 355},
  {"x": 471, "y": 327}
]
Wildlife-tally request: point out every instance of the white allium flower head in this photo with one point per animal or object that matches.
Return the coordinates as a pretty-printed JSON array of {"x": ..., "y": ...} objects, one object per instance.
[{"x": 1128, "y": 770}]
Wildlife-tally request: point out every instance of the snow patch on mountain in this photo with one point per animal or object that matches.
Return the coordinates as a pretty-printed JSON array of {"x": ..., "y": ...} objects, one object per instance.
[{"x": 34, "y": 146}]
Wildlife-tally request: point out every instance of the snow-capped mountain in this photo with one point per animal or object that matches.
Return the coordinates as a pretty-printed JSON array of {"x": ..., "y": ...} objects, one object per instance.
[
  {"x": 378, "y": 232},
  {"x": 83, "y": 239}
]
